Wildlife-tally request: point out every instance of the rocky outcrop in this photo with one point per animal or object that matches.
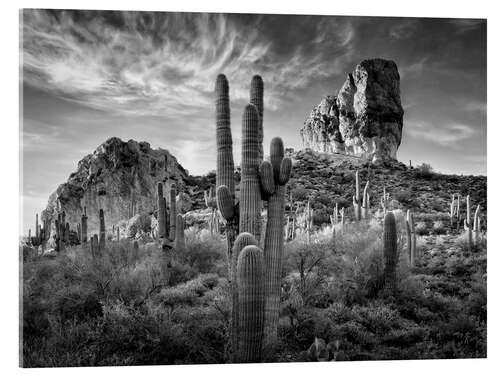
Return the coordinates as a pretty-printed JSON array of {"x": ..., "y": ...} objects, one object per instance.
[
  {"x": 365, "y": 119},
  {"x": 119, "y": 177}
]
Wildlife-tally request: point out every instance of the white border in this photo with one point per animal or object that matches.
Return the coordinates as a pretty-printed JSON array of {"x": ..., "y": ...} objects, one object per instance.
[{"x": 10, "y": 171}]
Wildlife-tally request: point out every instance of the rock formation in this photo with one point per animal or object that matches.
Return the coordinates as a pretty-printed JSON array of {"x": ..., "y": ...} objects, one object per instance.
[
  {"x": 119, "y": 177},
  {"x": 365, "y": 119}
]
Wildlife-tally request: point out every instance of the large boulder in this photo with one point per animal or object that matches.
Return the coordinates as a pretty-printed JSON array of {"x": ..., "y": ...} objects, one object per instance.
[{"x": 365, "y": 119}]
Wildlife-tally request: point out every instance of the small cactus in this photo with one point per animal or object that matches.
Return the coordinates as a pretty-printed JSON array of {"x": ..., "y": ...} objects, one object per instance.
[
  {"x": 250, "y": 276},
  {"x": 390, "y": 251}
]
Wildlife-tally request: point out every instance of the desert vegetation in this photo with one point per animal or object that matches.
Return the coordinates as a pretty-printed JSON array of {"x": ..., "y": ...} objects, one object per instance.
[{"x": 277, "y": 271}]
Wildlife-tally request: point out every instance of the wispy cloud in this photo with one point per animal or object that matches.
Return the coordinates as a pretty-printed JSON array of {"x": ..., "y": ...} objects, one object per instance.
[
  {"x": 444, "y": 134},
  {"x": 158, "y": 63}
]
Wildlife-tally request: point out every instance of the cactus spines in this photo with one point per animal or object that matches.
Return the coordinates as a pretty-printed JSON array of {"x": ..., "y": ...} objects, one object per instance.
[
  {"x": 273, "y": 242},
  {"x": 162, "y": 225},
  {"x": 476, "y": 232},
  {"x": 244, "y": 239},
  {"x": 356, "y": 200},
  {"x": 366, "y": 202},
  {"x": 180, "y": 241},
  {"x": 390, "y": 251},
  {"x": 468, "y": 225},
  {"x": 102, "y": 231},
  {"x": 250, "y": 200},
  {"x": 257, "y": 99},
  {"x": 250, "y": 276},
  {"x": 173, "y": 213}
]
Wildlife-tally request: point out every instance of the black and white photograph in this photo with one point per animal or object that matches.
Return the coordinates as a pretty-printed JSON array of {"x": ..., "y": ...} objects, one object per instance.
[{"x": 227, "y": 188}]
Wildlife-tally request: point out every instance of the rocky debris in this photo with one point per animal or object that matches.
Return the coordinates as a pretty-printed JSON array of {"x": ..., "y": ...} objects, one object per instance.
[
  {"x": 183, "y": 203},
  {"x": 364, "y": 119},
  {"x": 140, "y": 223},
  {"x": 119, "y": 177}
]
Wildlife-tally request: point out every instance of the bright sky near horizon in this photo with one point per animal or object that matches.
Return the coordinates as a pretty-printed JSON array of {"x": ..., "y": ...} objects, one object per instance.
[{"x": 149, "y": 76}]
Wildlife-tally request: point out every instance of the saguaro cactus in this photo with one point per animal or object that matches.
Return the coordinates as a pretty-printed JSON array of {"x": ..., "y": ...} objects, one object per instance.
[
  {"x": 180, "y": 241},
  {"x": 390, "y": 251},
  {"x": 250, "y": 274},
  {"x": 356, "y": 200},
  {"x": 452, "y": 210},
  {"x": 411, "y": 239},
  {"x": 94, "y": 246},
  {"x": 257, "y": 99},
  {"x": 102, "y": 231},
  {"x": 365, "y": 212},
  {"x": 173, "y": 213},
  {"x": 37, "y": 229},
  {"x": 477, "y": 226},
  {"x": 162, "y": 225},
  {"x": 84, "y": 225},
  {"x": 468, "y": 225},
  {"x": 250, "y": 200},
  {"x": 244, "y": 239},
  {"x": 274, "y": 176}
]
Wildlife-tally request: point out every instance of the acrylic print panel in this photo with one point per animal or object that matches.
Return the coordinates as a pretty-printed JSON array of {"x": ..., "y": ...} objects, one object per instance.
[{"x": 220, "y": 188}]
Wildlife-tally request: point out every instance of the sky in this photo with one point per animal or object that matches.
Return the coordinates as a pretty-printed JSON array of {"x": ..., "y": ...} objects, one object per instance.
[{"x": 149, "y": 76}]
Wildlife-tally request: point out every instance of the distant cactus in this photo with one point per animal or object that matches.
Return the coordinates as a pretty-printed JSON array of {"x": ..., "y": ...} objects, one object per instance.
[
  {"x": 102, "y": 232},
  {"x": 84, "y": 225},
  {"x": 162, "y": 225},
  {"x": 274, "y": 176},
  {"x": 180, "y": 241},
  {"x": 365, "y": 209},
  {"x": 250, "y": 276},
  {"x": 477, "y": 226},
  {"x": 356, "y": 200},
  {"x": 173, "y": 213},
  {"x": 411, "y": 240},
  {"x": 453, "y": 207},
  {"x": 37, "y": 229},
  {"x": 390, "y": 251},
  {"x": 468, "y": 225}
]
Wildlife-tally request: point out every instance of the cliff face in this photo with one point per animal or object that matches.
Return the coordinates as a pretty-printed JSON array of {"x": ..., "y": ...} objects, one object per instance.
[
  {"x": 364, "y": 119},
  {"x": 119, "y": 177}
]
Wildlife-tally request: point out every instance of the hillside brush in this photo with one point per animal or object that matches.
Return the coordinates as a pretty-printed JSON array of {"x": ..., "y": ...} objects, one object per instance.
[{"x": 390, "y": 252}]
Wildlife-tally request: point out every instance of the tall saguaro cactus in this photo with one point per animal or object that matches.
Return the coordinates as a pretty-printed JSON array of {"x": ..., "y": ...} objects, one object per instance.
[
  {"x": 180, "y": 241},
  {"x": 356, "y": 200},
  {"x": 250, "y": 275},
  {"x": 274, "y": 176},
  {"x": 225, "y": 194},
  {"x": 257, "y": 99},
  {"x": 390, "y": 251},
  {"x": 250, "y": 200},
  {"x": 102, "y": 231},
  {"x": 162, "y": 225},
  {"x": 476, "y": 232}
]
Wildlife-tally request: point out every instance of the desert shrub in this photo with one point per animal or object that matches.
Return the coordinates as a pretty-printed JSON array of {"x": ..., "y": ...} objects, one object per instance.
[
  {"x": 421, "y": 228},
  {"x": 438, "y": 227},
  {"x": 321, "y": 216},
  {"x": 204, "y": 253},
  {"x": 300, "y": 193},
  {"x": 424, "y": 171}
]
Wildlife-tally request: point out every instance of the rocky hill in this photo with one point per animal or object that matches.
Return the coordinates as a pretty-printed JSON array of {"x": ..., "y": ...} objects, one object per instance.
[
  {"x": 326, "y": 179},
  {"x": 121, "y": 178},
  {"x": 365, "y": 117}
]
